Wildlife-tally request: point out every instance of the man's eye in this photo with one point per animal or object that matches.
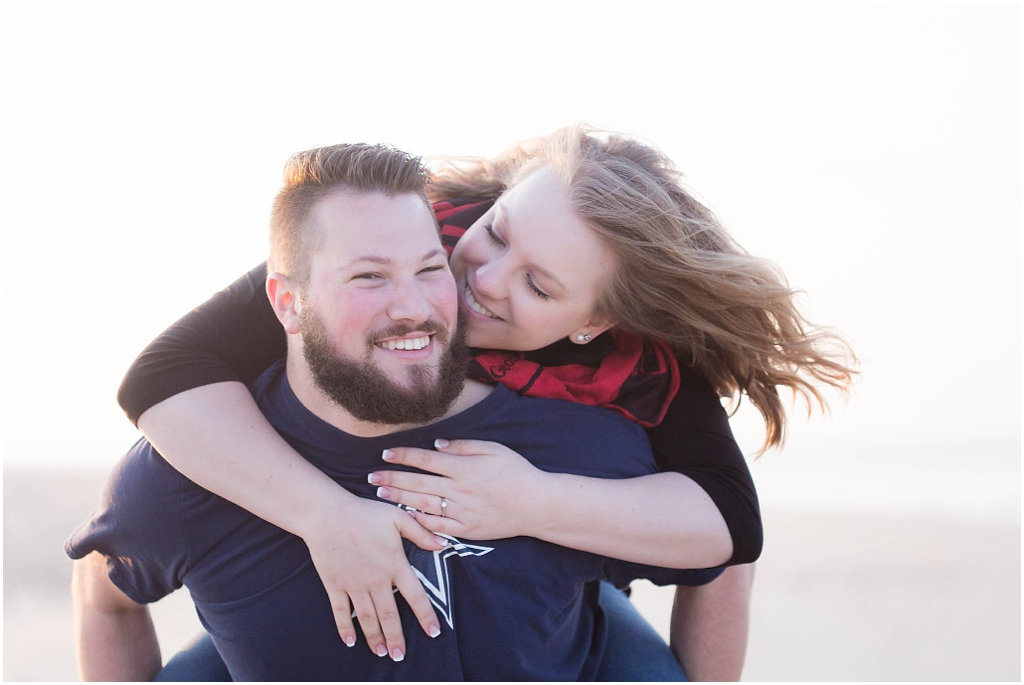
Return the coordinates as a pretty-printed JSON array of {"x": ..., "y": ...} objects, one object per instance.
[
  {"x": 430, "y": 269},
  {"x": 494, "y": 236},
  {"x": 366, "y": 276}
]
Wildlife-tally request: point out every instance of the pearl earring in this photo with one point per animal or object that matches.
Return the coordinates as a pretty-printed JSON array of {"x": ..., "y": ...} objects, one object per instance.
[{"x": 583, "y": 337}]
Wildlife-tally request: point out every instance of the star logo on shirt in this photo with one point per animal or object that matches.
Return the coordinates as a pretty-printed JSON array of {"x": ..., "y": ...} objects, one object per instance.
[{"x": 432, "y": 569}]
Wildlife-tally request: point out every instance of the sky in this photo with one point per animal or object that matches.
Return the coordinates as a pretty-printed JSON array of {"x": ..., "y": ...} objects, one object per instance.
[{"x": 872, "y": 151}]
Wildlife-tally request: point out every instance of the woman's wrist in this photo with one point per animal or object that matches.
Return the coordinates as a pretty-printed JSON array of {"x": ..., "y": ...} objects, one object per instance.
[
  {"x": 321, "y": 505},
  {"x": 539, "y": 511}
]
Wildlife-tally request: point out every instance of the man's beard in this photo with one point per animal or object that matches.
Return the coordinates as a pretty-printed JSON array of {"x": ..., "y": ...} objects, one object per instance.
[{"x": 367, "y": 393}]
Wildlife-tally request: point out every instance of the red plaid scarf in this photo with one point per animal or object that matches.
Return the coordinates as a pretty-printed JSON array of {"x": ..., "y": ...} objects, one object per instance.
[{"x": 634, "y": 377}]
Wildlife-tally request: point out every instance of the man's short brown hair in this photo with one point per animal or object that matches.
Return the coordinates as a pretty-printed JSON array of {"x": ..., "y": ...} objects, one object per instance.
[{"x": 312, "y": 175}]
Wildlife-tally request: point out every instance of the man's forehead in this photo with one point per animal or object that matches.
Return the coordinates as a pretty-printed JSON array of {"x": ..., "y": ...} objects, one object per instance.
[
  {"x": 376, "y": 227},
  {"x": 369, "y": 212}
]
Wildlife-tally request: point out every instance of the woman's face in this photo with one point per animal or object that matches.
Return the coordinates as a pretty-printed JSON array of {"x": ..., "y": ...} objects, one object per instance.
[{"x": 529, "y": 271}]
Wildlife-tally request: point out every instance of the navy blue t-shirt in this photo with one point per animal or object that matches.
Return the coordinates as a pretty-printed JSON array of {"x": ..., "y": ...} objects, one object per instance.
[{"x": 512, "y": 609}]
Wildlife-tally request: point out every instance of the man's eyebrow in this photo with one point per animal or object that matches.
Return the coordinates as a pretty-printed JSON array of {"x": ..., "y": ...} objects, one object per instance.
[
  {"x": 386, "y": 261},
  {"x": 502, "y": 214},
  {"x": 433, "y": 253}
]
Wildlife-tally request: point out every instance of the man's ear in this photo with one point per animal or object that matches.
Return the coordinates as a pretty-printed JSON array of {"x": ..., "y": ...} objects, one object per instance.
[{"x": 286, "y": 300}]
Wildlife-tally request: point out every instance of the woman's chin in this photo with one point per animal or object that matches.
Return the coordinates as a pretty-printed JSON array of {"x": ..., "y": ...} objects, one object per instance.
[
  {"x": 482, "y": 340},
  {"x": 479, "y": 336},
  {"x": 493, "y": 340}
]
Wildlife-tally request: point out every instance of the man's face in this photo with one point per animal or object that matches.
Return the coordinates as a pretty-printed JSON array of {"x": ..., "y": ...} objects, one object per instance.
[{"x": 379, "y": 315}]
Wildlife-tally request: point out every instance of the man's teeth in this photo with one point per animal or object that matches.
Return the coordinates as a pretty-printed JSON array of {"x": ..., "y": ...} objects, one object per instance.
[
  {"x": 406, "y": 343},
  {"x": 477, "y": 307}
]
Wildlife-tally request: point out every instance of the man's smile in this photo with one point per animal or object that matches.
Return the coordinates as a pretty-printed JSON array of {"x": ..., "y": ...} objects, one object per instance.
[{"x": 407, "y": 343}]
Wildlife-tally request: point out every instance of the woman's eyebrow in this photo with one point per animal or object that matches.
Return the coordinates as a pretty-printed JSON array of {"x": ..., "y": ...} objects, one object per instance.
[{"x": 501, "y": 213}]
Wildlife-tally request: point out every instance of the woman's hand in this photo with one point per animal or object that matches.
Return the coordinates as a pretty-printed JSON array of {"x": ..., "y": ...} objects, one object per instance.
[
  {"x": 489, "y": 491},
  {"x": 356, "y": 547}
]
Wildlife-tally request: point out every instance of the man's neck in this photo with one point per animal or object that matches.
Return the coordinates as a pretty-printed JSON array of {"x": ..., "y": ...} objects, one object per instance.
[{"x": 330, "y": 412}]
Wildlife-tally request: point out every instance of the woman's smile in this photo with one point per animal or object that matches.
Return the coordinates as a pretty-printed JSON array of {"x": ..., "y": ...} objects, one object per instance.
[{"x": 475, "y": 306}]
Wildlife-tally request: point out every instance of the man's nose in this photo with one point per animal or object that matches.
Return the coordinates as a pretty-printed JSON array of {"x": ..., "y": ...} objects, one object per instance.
[{"x": 409, "y": 303}]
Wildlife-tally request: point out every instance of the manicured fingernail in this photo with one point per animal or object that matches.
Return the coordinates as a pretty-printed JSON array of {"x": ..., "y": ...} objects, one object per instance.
[
  {"x": 397, "y": 655},
  {"x": 350, "y": 641},
  {"x": 434, "y": 630},
  {"x": 387, "y": 455},
  {"x": 440, "y": 540},
  {"x": 383, "y": 493},
  {"x": 440, "y": 443},
  {"x": 373, "y": 479},
  {"x": 381, "y": 650}
]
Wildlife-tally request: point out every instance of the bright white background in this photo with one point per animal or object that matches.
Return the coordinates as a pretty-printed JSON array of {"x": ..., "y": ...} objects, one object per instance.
[{"x": 872, "y": 151}]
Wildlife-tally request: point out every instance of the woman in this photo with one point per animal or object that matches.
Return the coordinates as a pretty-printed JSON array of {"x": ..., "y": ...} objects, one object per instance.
[{"x": 578, "y": 248}]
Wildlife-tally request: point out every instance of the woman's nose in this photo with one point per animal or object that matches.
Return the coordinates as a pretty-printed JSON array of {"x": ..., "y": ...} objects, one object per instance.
[{"x": 492, "y": 278}]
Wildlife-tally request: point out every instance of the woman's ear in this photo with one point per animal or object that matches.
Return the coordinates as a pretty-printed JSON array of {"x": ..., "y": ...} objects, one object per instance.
[
  {"x": 590, "y": 331},
  {"x": 286, "y": 301}
]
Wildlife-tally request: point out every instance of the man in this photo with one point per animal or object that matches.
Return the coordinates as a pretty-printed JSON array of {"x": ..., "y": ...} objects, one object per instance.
[{"x": 375, "y": 354}]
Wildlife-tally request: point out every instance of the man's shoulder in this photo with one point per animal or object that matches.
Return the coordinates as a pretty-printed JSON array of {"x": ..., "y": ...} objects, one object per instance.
[
  {"x": 282, "y": 409},
  {"x": 143, "y": 487},
  {"x": 144, "y": 496},
  {"x": 137, "y": 525},
  {"x": 142, "y": 472},
  {"x": 572, "y": 437},
  {"x": 262, "y": 389},
  {"x": 552, "y": 411}
]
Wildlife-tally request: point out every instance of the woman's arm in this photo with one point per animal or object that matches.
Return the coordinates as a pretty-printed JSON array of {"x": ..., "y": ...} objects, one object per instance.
[
  {"x": 701, "y": 511},
  {"x": 663, "y": 519},
  {"x": 695, "y": 440},
  {"x": 184, "y": 392}
]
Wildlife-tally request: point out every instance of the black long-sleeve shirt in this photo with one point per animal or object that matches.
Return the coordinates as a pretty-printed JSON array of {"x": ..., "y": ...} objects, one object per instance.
[{"x": 235, "y": 336}]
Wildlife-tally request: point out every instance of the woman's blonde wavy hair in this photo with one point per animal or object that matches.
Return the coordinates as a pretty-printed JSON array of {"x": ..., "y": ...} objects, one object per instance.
[{"x": 680, "y": 278}]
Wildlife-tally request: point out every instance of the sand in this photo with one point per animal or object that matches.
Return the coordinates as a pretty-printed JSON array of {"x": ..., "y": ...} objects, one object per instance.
[{"x": 837, "y": 597}]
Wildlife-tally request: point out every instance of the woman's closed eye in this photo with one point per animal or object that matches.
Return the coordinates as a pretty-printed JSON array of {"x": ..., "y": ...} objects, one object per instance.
[
  {"x": 494, "y": 235},
  {"x": 536, "y": 291},
  {"x": 496, "y": 239}
]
